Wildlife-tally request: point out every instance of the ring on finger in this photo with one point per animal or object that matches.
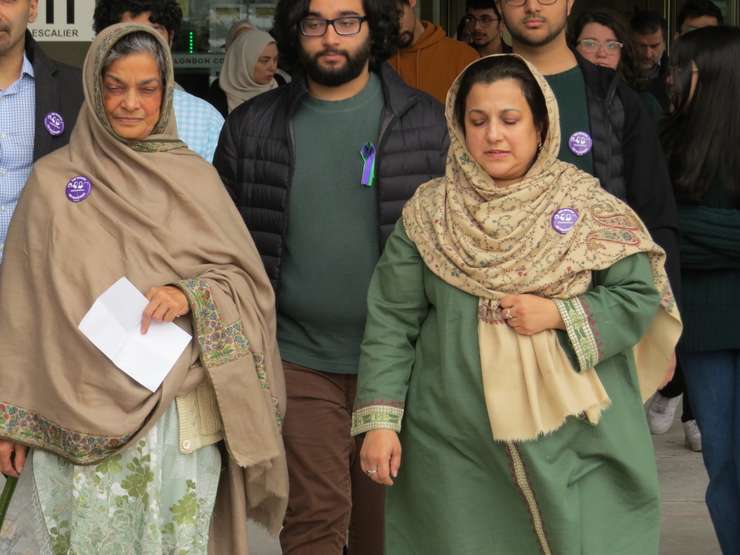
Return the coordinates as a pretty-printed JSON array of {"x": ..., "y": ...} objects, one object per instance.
[
  {"x": 507, "y": 314},
  {"x": 371, "y": 472}
]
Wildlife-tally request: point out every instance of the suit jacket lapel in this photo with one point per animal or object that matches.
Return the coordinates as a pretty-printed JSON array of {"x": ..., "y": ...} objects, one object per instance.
[{"x": 46, "y": 93}]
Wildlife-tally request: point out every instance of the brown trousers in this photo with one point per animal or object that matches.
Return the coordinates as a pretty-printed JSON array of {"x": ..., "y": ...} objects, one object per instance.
[{"x": 329, "y": 494}]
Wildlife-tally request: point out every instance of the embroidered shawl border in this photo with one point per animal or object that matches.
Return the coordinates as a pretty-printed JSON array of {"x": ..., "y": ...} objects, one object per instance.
[
  {"x": 28, "y": 427},
  {"x": 221, "y": 343}
]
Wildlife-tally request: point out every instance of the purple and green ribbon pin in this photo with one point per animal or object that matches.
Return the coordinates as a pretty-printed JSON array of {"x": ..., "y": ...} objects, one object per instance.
[{"x": 368, "y": 166}]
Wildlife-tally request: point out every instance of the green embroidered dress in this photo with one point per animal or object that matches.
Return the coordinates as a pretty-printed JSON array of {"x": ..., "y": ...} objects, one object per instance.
[{"x": 582, "y": 489}]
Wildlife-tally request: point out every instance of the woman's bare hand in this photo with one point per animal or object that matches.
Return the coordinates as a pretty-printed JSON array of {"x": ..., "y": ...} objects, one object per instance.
[
  {"x": 530, "y": 314},
  {"x": 380, "y": 456},
  {"x": 165, "y": 304},
  {"x": 12, "y": 458}
]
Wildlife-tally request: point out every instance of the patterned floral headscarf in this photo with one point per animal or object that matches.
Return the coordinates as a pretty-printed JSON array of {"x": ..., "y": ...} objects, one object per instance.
[{"x": 543, "y": 235}]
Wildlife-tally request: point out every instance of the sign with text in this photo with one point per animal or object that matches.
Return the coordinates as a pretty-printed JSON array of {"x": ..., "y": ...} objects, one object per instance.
[
  {"x": 197, "y": 61},
  {"x": 64, "y": 20}
]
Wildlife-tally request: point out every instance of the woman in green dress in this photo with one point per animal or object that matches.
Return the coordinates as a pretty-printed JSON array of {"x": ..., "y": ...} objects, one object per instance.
[
  {"x": 516, "y": 321},
  {"x": 115, "y": 467}
]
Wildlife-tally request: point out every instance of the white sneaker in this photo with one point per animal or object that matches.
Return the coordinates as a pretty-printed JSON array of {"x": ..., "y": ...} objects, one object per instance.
[
  {"x": 693, "y": 435},
  {"x": 662, "y": 413}
]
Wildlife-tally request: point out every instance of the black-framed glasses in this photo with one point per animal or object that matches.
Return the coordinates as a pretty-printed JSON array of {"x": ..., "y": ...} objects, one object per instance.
[
  {"x": 344, "y": 26},
  {"x": 483, "y": 21},
  {"x": 520, "y": 3},
  {"x": 593, "y": 45}
]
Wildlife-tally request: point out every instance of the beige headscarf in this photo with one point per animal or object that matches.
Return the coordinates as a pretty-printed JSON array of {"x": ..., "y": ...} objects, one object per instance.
[
  {"x": 491, "y": 241},
  {"x": 237, "y": 73},
  {"x": 157, "y": 214}
]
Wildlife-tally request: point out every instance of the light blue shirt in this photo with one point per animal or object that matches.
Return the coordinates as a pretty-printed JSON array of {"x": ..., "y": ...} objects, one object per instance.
[
  {"x": 17, "y": 119},
  {"x": 198, "y": 123}
]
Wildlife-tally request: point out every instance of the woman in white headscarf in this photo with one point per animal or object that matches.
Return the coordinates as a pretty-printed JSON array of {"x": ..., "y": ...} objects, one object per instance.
[{"x": 249, "y": 67}]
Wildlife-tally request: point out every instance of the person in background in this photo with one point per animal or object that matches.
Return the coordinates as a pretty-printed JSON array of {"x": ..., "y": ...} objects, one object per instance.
[
  {"x": 427, "y": 59},
  {"x": 239, "y": 80},
  {"x": 198, "y": 122},
  {"x": 703, "y": 144},
  {"x": 602, "y": 37},
  {"x": 40, "y": 99},
  {"x": 320, "y": 170},
  {"x": 502, "y": 321},
  {"x": 249, "y": 68},
  {"x": 484, "y": 22},
  {"x": 696, "y": 14},
  {"x": 117, "y": 466},
  {"x": 650, "y": 32}
]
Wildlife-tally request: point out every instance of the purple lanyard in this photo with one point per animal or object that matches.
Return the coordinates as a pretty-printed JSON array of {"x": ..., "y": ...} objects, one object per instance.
[{"x": 368, "y": 167}]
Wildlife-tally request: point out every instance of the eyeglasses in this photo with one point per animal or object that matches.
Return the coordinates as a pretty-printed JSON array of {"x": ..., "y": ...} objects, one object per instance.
[
  {"x": 343, "y": 26},
  {"x": 484, "y": 20},
  {"x": 593, "y": 46},
  {"x": 520, "y": 3}
]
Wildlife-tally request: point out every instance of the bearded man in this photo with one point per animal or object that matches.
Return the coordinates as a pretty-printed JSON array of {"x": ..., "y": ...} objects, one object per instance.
[{"x": 320, "y": 170}]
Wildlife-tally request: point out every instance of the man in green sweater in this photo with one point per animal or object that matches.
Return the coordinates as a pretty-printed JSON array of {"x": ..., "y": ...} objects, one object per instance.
[{"x": 320, "y": 170}]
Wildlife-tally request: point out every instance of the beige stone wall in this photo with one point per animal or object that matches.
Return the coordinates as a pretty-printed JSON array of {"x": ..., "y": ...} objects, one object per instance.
[{"x": 72, "y": 53}]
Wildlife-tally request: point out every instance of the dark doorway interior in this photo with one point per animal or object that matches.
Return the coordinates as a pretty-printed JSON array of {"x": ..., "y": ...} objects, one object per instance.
[{"x": 622, "y": 6}]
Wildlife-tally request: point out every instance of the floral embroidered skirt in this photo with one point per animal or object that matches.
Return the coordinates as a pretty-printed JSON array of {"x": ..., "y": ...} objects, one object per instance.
[{"x": 148, "y": 499}]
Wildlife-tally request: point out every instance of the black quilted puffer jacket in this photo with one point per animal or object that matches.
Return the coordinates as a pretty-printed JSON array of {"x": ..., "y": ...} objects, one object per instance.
[
  {"x": 628, "y": 159},
  {"x": 255, "y": 158}
]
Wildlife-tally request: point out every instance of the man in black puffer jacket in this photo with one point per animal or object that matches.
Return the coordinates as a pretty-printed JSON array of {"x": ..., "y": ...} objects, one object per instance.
[{"x": 320, "y": 170}]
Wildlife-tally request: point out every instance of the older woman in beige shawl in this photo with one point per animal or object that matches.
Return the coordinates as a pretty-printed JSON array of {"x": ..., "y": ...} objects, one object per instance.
[
  {"x": 516, "y": 320},
  {"x": 114, "y": 467}
]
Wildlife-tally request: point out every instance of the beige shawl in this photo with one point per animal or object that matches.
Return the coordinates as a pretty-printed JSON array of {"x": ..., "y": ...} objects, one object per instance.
[
  {"x": 491, "y": 241},
  {"x": 157, "y": 214},
  {"x": 237, "y": 73}
]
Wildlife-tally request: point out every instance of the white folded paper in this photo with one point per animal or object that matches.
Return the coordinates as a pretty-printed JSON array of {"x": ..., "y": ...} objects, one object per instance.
[{"x": 113, "y": 325}]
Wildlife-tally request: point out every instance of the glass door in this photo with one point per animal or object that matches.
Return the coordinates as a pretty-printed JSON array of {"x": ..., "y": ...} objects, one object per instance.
[{"x": 198, "y": 49}]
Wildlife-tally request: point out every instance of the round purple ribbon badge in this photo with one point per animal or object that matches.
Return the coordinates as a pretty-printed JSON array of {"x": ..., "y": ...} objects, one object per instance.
[
  {"x": 580, "y": 143},
  {"x": 54, "y": 123},
  {"x": 563, "y": 220},
  {"x": 78, "y": 188}
]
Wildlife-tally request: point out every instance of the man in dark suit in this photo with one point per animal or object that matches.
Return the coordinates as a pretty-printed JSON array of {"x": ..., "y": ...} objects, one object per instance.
[{"x": 39, "y": 102}]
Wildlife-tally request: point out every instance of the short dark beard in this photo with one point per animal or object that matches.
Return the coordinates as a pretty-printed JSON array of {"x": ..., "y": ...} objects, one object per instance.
[{"x": 337, "y": 77}]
